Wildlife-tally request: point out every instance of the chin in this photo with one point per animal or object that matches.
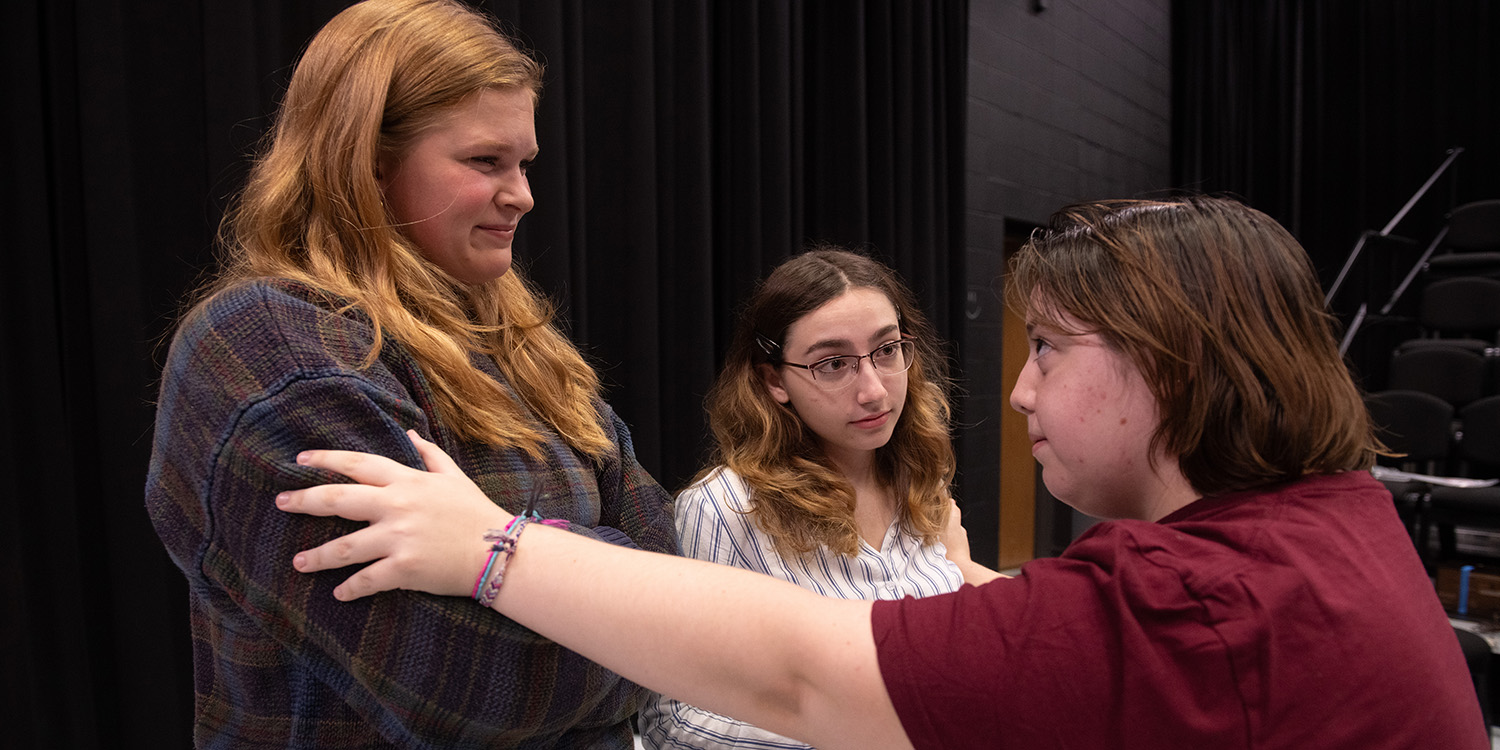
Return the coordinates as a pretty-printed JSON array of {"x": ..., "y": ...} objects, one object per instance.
[{"x": 480, "y": 279}]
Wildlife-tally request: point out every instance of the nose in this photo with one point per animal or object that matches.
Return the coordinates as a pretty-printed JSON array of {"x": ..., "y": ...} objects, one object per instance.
[
  {"x": 515, "y": 193},
  {"x": 1023, "y": 395},
  {"x": 870, "y": 385}
]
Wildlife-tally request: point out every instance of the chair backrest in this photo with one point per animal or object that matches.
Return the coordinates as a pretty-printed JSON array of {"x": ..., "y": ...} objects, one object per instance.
[
  {"x": 1418, "y": 425},
  {"x": 1455, "y": 374},
  {"x": 1471, "y": 243},
  {"x": 1462, "y": 305},
  {"x": 1474, "y": 227},
  {"x": 1479, "y": 441}
]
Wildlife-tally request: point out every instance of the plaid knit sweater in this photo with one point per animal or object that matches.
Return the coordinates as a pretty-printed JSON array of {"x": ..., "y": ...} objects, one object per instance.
[{"x": 266, "y": 369}]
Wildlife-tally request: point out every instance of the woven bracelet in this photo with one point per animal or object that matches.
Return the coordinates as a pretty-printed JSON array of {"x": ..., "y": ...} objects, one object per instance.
[
  {"x": 504, "y": 546},
  {"x": 485, "y": 574}
]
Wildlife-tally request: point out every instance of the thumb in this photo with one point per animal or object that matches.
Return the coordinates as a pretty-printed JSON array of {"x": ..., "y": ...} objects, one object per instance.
[{"x": 437, "y": 461}]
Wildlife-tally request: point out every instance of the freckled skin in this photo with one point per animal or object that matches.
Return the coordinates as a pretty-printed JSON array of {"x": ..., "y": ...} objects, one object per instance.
[{"x": 1091, "y": 415}]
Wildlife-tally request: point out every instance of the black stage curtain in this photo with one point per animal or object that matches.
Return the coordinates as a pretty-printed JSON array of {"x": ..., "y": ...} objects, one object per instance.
[
  {"x": 1330, "y": 115},
  {"x": 686, "y": 148}
]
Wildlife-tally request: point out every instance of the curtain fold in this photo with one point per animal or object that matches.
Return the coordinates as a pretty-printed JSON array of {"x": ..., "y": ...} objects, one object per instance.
[{"x": 1330, "y": 115}]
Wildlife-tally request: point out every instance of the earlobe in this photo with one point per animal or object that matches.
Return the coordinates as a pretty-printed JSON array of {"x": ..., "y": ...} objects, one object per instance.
[{"x": 771, "y": 379}]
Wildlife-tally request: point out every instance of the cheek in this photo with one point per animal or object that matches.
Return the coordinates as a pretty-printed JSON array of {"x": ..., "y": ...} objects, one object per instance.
[
  {"x": 900, "y": 393},
  {"x": 1088, "y": 406},
  {"x": 472, "y": 196}
]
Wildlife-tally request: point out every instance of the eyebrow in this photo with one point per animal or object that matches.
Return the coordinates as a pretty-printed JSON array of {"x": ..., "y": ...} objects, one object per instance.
[
  {"x": 487, "y": 144},
  {"x": 846, "y": 344}
]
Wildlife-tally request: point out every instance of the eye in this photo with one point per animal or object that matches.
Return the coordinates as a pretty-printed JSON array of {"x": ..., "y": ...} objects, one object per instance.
[
  {"x": 488, "y": 161},
  {"x": 831, "y": 366},
  {"x": 526, "y": 165},
  {"x": 1040, "y": 346},
  {"x": 887, "y": 351}
]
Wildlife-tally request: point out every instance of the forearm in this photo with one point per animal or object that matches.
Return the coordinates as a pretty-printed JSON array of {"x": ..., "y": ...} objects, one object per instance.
[
  {"x": 976, "y": 574},
  {"x": 737, "y": 643}
]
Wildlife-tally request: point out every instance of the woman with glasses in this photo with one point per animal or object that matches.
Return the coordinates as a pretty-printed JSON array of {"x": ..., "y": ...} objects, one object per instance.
[{"x": 832, "y": 459}]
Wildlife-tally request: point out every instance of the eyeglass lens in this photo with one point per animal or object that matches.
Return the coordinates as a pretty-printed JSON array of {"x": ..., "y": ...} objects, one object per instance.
[{"x": 890, "y": 359}]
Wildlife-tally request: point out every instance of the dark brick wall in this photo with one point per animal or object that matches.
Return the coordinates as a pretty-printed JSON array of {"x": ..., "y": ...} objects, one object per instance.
[{"x": 1067, "y": 103}]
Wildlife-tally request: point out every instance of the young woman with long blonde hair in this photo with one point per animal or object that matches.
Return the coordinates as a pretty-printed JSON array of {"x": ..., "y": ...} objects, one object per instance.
[{"x": 367, "y": 290}]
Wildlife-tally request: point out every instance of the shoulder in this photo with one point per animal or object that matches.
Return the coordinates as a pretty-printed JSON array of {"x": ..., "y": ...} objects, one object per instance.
[
  {"x": 255, "y": 338},
  {"x": 271, "y": 325},
  {"x": 270, "y": 311},
  {"x": 1269, "y": 544},
  {"x": 720, "y": 489}
]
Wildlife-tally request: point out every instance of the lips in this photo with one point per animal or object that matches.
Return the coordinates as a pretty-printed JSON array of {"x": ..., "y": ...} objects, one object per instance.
[{"x": 873, "y": 421}]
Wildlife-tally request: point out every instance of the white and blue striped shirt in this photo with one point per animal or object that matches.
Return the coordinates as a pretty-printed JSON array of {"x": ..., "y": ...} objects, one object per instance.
[{"x": 712, "y": 525}]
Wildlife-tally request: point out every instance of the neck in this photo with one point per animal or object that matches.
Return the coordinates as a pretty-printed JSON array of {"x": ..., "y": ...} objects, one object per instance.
[
  {"x": 874, "y": 509},
  {"x": 1175, "y": 493},
  {"x": 857, "y": 466}
]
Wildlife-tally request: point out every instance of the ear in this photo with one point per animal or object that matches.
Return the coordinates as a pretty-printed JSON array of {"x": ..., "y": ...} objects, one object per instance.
[
  {"x": 384, "y": 165},
  {"x": 771, "y": 379}
]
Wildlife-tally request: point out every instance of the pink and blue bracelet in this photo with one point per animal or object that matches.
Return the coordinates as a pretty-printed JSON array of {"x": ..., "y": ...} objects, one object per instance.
[{"x": 502, "y": 546}]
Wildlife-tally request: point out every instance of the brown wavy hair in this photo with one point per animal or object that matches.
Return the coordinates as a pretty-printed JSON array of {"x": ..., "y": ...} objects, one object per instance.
[
  {"x": 798, "y": 497},
  {"x": 377, "y": 76},
  {"x": 1220, "y": 309}
]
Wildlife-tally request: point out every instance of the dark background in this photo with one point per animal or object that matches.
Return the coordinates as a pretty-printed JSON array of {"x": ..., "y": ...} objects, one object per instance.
[{"x": 686, "y": 147}]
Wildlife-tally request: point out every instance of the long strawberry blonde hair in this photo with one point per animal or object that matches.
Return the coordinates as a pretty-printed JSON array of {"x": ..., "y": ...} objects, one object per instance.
[{"x": 373, "y": 79}]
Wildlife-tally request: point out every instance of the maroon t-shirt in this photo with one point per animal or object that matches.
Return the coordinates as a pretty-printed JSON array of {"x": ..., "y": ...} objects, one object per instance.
[{"x": 1291, "y": 617}]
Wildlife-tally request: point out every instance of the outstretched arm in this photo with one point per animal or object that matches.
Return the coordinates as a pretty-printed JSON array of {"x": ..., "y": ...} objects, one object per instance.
[
  {"x": 738, "y": 643},
  {"x": 955, "y": 539}
]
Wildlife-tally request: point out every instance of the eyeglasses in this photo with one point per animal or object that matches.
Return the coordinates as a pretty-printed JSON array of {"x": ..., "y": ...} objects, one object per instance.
[{"x": 832, "y": 373}]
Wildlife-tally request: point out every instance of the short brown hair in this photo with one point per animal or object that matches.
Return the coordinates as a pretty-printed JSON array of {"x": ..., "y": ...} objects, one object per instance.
[{"x": 1220, "y": 309}]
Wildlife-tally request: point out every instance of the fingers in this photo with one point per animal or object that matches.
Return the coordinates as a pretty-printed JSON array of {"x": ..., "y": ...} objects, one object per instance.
[
  {"x": 350, "y": 549},
  {"x": 415, "y": 519},
  {"x": 437, "y": 461},
  {"x": 365, "y": 468},
  {"x": 355, "y": 502},
  {"x": 372, "y": 579},
  {"x": 369, "y": 580}
]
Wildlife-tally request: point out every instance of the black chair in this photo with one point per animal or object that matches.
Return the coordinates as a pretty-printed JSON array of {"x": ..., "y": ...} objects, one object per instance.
[
  {"x": 1462, "y": 311},
  {"x": 1452, "y": 372},
  {"x": 1419, "y": 427},
  {"x": 1472, "y": 242},
  {"x": 1478, "y": 454}
]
